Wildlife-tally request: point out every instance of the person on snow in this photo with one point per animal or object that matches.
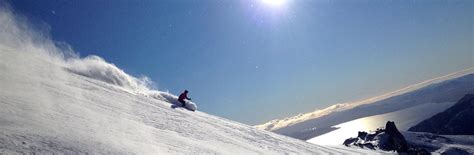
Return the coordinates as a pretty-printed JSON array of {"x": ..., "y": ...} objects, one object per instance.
[{"x": 183, "y": 96}]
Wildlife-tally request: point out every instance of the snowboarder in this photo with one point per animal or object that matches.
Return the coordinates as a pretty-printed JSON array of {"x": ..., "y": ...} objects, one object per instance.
[{"x": 183, "y": 96}]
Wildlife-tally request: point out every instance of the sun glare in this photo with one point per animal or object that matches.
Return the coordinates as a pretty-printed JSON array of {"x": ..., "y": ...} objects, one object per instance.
[{"x": 274, "y": 2}]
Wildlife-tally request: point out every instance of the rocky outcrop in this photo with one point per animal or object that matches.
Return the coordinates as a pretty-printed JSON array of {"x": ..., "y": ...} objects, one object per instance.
[
  {"x": 394, "y": 139},
  {"x": 387, "y": 139},
  {"x": 456, "y": 120}
]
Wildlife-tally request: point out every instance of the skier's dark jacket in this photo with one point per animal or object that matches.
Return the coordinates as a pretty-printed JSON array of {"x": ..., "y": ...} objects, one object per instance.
[{"x": 182, "y": 97}]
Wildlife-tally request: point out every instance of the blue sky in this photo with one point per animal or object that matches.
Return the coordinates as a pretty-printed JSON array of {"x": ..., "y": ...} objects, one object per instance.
[{"x": 252, "y": 62}]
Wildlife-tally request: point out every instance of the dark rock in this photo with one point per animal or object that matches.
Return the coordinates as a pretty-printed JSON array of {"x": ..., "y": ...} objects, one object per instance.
[
  {"x": 362, "y": 135},
  {"x": 350, "y": 141},
  {"x": 395, "y": 138},
  {"x": 370, "y": 137},
  {"x": 387, "y": 139}
]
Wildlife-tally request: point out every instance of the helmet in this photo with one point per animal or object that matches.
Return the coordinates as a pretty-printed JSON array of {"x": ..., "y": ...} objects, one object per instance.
[{"x": 185, "y": 91}]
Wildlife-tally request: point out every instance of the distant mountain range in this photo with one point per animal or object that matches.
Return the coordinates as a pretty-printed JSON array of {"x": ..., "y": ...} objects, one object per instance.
[
  {"x": 456, "y": 120},
  {"x": 449, "y": 88}
]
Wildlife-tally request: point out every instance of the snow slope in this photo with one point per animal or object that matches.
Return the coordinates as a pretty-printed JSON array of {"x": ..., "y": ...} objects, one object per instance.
[
  {"x": 442, "y": 144},
  {"x": 55, "y": 102}
]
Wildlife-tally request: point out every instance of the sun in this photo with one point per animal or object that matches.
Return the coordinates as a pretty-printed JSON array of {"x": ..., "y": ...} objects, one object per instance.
[{"x": 274, "y": 2}]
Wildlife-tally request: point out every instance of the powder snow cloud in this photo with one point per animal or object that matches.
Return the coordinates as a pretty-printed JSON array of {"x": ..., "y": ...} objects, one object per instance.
[{"x": 17, "y": 34}]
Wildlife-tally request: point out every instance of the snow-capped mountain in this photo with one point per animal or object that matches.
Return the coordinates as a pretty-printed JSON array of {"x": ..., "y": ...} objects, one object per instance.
[
  {"x": 52, "y": 102},
  {"x": 449, "y": 88}
]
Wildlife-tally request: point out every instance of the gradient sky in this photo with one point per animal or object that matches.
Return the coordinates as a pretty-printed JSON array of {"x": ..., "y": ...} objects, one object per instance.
[{"x": 250, "y": 61}]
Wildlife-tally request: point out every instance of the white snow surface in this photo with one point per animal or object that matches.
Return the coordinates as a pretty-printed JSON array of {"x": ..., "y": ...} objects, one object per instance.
[
  {"x": 442, "y": 144},
  {"x": 55, "y": 102}
]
